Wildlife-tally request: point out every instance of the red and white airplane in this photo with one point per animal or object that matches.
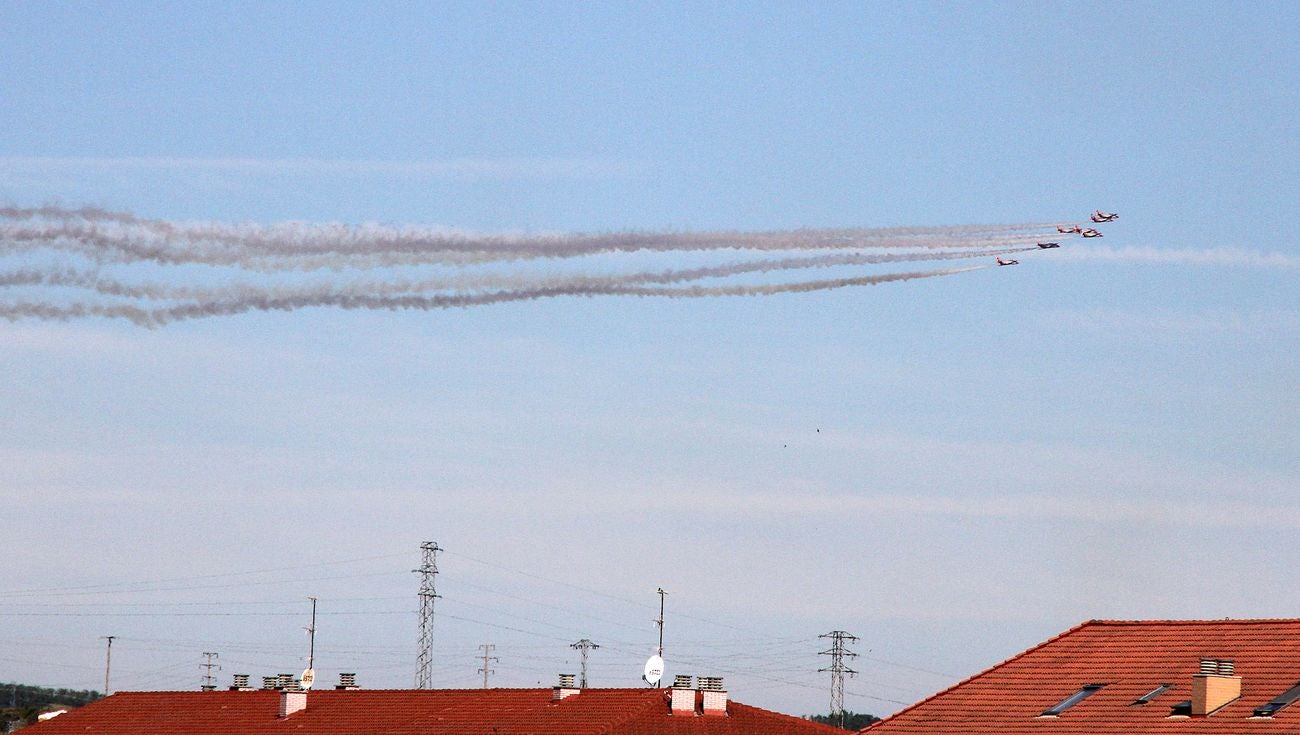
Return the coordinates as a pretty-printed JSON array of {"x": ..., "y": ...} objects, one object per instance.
[
  {"x": 1100, "y": 216},
  {"x": 1008, "y": 262},
  {"x": 1046, "y": 245},
  {"x": 1067, "y": 230},
  {"x": 1090, "y": 233}
]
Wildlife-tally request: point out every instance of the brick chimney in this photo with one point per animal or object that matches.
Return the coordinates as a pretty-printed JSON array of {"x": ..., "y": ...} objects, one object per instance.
[
  {"x": 567, "y": 687},
  {"x": 292, "y": 701},
  {"x": 683, "y": 696},
  {"x": 1214, "y": 686},
  {"x": 715, "y": 697}
]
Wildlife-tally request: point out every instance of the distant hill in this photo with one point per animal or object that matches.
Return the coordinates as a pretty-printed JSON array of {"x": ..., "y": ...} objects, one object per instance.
[{"x": 21, "y": 703}]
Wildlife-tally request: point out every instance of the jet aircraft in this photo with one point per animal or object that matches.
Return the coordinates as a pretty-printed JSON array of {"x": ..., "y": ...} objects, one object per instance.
[
  {"x": 1090, "y": 233},
  {"x": 1046, "y": 245},
  {"x": 1067, "y": 230},
  {"x": 1008, "y": 262},
  {"x": 1100, "y": 216}
]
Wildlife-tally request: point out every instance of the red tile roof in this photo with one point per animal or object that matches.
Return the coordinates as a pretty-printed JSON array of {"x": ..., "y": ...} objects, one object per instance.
[
  {"x": 414, "y": 712},
  {"x": 1131, "y": 658}
]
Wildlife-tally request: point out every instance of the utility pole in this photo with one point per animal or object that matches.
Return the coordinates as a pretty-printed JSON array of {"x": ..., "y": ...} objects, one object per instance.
[
  {"x": 582, "y": 647},
  {"x": 209, "y": 683},
  {"x": 838, "y": 669},
  {"x": 659, "y": 621},
  {"x": 309, "y": 675},
  {"x": 428, "y": 571},
  {"x": 108, "y": 660},
  {"x": 487, "y": 649}
]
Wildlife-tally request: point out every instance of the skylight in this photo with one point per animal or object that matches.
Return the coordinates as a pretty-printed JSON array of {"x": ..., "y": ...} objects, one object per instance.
[
  {"x": 1279, "y": 702},
  {"x": 1072, "y": 700},
  {"x": 1146, "y": 698}
]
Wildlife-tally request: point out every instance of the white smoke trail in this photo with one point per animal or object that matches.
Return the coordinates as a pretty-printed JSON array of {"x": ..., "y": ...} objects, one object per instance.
[
  {"x": 162, "y": 260},
  {"x": 92, "y": 281},
  {"x": 114, "y": 236},
  {"x": 160, "y": 316},
  {"x": 1212, "y": 256}
]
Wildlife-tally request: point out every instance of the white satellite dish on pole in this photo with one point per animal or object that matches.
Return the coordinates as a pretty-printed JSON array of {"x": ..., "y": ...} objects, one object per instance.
[
  {"x": 307, "y": 678},
  {"x": 654, "y": 670}
]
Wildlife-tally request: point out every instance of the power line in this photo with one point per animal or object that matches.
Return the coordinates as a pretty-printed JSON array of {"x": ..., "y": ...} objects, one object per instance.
[{"x": 38, "y": 590}]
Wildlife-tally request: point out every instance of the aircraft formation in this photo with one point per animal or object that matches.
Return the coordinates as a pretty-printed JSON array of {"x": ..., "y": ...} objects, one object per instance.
[{"x": 1097, "y": 216}]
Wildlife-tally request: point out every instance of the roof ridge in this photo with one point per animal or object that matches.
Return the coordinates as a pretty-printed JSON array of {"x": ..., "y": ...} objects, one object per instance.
[
  {"x": 743, "y": 706},
  {"x": 1199, "y": 621}
]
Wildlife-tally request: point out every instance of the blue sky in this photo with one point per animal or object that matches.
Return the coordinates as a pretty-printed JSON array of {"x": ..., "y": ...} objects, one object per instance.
[{"x": 953, "y": 469}]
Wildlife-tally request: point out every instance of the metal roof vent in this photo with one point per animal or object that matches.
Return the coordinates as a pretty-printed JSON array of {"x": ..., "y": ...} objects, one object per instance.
[
  {"x": 710, "y": 683},
  {"x": 568, "y": 680},
  {"x": 682, "y": 681},
  {"x": 347, "y": 681},
  {"x": 270, "y": 682},
  {"x": 241, "y": 683},
  {"x": 284, "y": 681}
]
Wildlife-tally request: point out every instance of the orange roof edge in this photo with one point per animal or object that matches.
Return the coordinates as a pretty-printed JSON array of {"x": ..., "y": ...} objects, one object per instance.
[{"x": 1027, "y": 651}]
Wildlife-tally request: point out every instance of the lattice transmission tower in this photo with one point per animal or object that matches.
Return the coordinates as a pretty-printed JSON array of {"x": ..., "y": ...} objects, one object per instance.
[
  {"x": 428, "y": 571},
  {"x": 583, "y": 646},
  {"x": 838, "y": 652}
]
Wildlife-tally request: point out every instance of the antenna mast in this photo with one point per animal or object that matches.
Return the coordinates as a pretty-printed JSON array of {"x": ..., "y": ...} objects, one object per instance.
[
  {"x": 428, "y": 571},
  {"x": 208, "y": 682},
  {"x": 838, "y": 669},
  {"x": 108, "y": 660},
  {"x": 487, "y": 649},
  {"x": 583, "y": 646},
  {"x": 311, "y": 636},
  {"x": 660, "y": 622}
]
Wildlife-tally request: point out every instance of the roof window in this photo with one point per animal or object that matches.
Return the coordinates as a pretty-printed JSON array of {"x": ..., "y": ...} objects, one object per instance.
[
  {"x": 1278, "y": 702},
  {"x": 1072, "y": 700},
  {"x": 1146, "y": 698}
]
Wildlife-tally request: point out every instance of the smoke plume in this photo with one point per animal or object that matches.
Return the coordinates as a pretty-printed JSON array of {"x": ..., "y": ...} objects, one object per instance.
[{"x": 90, "y": 262}]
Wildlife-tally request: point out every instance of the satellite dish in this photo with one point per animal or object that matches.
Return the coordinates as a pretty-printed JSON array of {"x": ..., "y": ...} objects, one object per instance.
[
  {"x": 308, "y": 676},
  {"x": 654, "y": 670}
]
